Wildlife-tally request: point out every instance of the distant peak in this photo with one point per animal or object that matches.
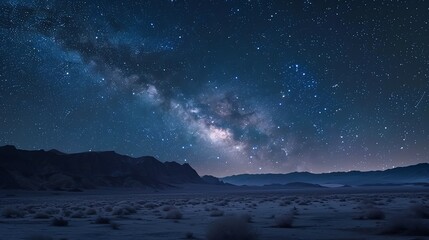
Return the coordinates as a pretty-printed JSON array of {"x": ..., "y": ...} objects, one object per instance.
[
  {"x": 56, "y": 151},
  {"x": 8, "y": 147}
]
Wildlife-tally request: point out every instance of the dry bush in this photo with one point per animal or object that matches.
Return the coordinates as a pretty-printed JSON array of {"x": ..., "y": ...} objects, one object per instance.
[
  {"x": 173, "y": 214},
  {"x": 67, "y": 213},
  {"x": 410, "y": 227},
  {"x": 189, "y": 235},
  {"x": 222, "y": 203},
  {"x": 246, "y": 217},
  {"x": 285, "y": 203},
  {"x": 230, "y": 228},
  {"x": 59, "y": 222},
  {"x": 90, "y": 211},
  {"x": 102, "y": 220},
  {"x": 12, "y": 212},
  {"x": 210, "y": 208},
  {"x": 420, "y": 211},
  {"x": 123, "y": 210},
  {"x": 78, "y": 214},
  {"x": 41, "y": 215},
  {"x": 114, "y": 225},
  {"x": 52, "y": 211},
  {"x": 216, "y": 213},
  {"x": 151, "y": 205},
  {"x": 167, "y": 208},
  {"x": 372, "y": 214},
  {"x": 39, "y": 237},
  {"x": 284, "y": 221}
]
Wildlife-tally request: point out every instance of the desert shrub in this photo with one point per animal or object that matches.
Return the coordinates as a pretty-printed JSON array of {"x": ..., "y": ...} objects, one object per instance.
[
  {"x": 167, "y": 208},
  {"x": 222, "y": 203},
  {"x": 123, "y": 210},
  {"x": 42, "y": 215},
  {"x": 216, "y": 213},
  {"x": 67, "y": 213},
  {"x": 209, "y": 208},
  {"x": 173, "y": 214},
  {"x": 114, "y": 225},
  {"x": 294, "y": 211},
  {"x": 366, "y": 204},
  {"x": 102, "y": 220},
  {"x": 189, "y": 235},
  {"x": 52, "y": 211},
  {"x": 151, "y": 206},
  {"x": 230, "y": 228},
  {"x": 375, "y": 214},
  {"x": 78, "y": 214},
  {"x": 90, "y": 211},
  {"x": 411, "y": 227},
  {"x": 39, "y": 237},
  {"x": 420, "y": 211},
  {"x": 372, "y": 214},
  {"x": 246, "y": 217},
  {"x": 284, "y": 203},
  {"x": 284, "y": 221},
  {"x": 59, "y": 222},
  {"x": 108, "y": 209},
  {"x": 11, "y": 212}
]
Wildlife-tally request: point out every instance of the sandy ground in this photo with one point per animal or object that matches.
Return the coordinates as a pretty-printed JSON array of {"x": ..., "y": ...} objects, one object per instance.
[{"x": 188, "y": 212}]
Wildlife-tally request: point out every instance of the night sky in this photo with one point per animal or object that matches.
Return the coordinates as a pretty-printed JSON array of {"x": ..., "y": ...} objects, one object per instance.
[{"x": 227, "y": 86}]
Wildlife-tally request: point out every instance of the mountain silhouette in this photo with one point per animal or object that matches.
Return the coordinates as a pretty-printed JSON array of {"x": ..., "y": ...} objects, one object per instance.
[
  {"x": 41, "y": 170},
  {"x": 401, "y": 175}
]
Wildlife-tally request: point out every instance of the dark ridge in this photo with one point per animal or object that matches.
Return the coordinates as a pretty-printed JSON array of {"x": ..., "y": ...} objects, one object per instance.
[
  {"x": 43, "y": 170},
  {"x": 418, "y": 173}
]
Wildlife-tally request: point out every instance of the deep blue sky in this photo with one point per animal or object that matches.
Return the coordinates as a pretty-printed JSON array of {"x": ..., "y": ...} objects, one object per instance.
[{"x": 227, "y": 86}]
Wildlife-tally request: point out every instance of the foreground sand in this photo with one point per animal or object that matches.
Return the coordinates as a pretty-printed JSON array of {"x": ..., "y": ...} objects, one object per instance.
[{"x": 187, "y": 213}]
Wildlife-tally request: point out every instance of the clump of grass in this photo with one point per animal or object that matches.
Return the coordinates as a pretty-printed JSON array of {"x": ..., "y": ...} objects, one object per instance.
[
  {"x": 216, "y": 213},
  {"x": 410, "y": 227},
  {"x": 114, "y": 225},
  {"x": 150, "y": 205},
  {"x": 102, "y": 220},
  {"x": 375, "y": 214},
  {"x": 52, "y": 210},
  {"x": 123, "y": 210},
  {"x": 67, "y": 213},
  {"x": 59, "y": 222},
  {"x": 231, "y": 228},
  {"x": 11, "y": 212},
  {"x": 284, "y": 221},
  {"x": 78, "y": 214},
  {"x": 420, "y": 211},
  {"x": 90, "y": 211},
  {"x": 167, "y": 208},
  {"x": 372, "y": 214},
  {"x": 285, "y": 203},
  {"x": 189, "y": 235},
  {"x": 41, "y": 215},
  {"x": 173, "y": 214},
  {"x": 246, "y": 217},
  {"x": 39, "y": 237}
]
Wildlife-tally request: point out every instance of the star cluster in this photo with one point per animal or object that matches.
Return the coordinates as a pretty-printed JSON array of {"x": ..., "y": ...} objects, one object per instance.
[{"x": 227, "y": 86}]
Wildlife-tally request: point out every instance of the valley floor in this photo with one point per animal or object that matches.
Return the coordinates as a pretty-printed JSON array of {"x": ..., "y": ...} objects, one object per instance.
[{"x": 198, "y": 212}]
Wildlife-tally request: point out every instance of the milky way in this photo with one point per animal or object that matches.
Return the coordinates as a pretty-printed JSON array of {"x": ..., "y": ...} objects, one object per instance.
[{"x": 227, "y": 86}]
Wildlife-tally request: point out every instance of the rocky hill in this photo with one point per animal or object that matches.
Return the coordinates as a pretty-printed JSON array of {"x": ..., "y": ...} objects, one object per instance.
[{"x": 41, "y": 170}]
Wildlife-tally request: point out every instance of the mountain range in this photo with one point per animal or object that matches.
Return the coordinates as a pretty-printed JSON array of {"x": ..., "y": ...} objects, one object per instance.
[
  {"x": 414, "y": 174},
  {"x": 45, "y": 170},
  {"x": 55, "y": 170}
]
